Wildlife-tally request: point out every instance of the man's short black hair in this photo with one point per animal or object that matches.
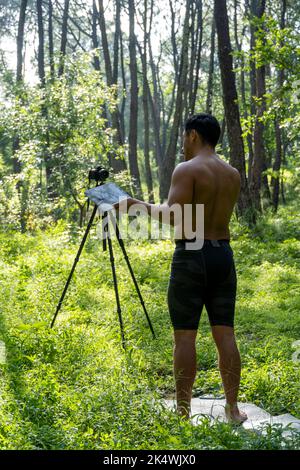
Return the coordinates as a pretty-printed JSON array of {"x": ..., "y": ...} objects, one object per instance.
[{"x": 206, "y": 125}]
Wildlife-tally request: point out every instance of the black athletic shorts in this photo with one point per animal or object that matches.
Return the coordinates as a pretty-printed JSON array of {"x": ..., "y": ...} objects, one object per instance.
[{"x": 205, "y": 276}]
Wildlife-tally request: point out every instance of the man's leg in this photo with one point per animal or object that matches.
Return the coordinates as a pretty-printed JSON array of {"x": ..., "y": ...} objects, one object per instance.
[
  {"x": 230, "y": 369},
  {"x": 184, "y": 368}
]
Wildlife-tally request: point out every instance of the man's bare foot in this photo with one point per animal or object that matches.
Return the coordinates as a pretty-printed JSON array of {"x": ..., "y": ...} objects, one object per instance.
[
  {"x": 183, "y": 413},
  {"x": 234, "y": 415}
]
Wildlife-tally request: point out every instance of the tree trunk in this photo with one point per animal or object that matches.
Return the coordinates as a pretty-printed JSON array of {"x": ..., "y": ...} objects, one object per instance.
[
  {"x": 122, "y": 112},
  {"x": 211, "y": 68},
  {"x": 282, "y": 191},
  {"x": 117, "y": 164},
  {"x": 95, "y": 37},
  {"x": 193, "y": 96},
  {"x": 169, "y": 160},
  {"x": 191, "y": 62},
  {"x": 146, "y": 109},
  {"x": 173, "y": 40},
  {"x": 51, "y": 186},
  {"x": 116, "y": 42},
  {"x": 155, "y": 110},
  {"x": 19, "y": 77},
  {"x": 41, "y": 47},
  {"x": 107, "y": 61},
  {"x": 241, "y": 65},
  {"x": 50, "y": 39},
  {"x": 223, "y": 128},
  {"x": 232, "y": 114},
  {"x": 278, "y": 132},
  {"x": 259, "y": 157},
  {"x": 276, "y": 166},
  {"x": 21, "y": 185},
  {"x": 132, "y": 140},
  {"x": 96, "y": 62},
  {"x": 252, "y": 100},
  {"x": 158, "y": 148},
  {"x": 20, "y": 40},
  {"x": 63, "y": 44}
]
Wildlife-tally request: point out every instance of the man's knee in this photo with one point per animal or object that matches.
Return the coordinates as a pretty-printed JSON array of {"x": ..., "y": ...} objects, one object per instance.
[
  {"x": 223, "y": 334},
  {"x": 185, "y": 336}
]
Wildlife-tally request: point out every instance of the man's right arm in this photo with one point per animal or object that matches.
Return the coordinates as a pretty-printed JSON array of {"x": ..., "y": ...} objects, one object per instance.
[{"x": 180, "y": 193}]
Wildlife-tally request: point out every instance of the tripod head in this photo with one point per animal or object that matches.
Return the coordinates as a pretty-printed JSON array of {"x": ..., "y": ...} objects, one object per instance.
[{"x": 99, "y": 174}]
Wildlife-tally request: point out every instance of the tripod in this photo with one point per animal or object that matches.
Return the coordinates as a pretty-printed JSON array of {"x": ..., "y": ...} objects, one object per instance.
[{"x": 106, "y": 238}]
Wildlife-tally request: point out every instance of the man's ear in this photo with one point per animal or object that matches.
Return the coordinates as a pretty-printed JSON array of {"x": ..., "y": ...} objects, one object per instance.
[{"x": 193, "y": 134}]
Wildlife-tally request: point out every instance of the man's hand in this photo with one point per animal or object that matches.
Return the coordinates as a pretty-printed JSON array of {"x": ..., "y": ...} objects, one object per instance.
[{"x": 123, "y": 205}]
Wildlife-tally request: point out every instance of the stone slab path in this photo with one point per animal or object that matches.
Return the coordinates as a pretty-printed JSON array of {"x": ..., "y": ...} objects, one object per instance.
[{"x": 257, "y": 417}]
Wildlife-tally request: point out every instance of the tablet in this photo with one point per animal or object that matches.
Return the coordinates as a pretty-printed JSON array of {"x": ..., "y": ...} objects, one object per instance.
[{"x": 105, "y": 195}]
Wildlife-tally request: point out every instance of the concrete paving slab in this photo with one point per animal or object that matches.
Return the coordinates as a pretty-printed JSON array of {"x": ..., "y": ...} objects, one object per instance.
[{"x": 215, "y": 409}]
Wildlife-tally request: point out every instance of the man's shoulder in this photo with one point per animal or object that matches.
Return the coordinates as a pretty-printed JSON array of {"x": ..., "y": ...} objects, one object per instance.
[
  {"x": 234, "y": 171},
  {"x": 190, "y": 166},
  {"x": 192, "y": 170},
  {"x": 236, "y": 174},
  {"x": 235, "y": 178},
  {"x": 183, "y": 168}
]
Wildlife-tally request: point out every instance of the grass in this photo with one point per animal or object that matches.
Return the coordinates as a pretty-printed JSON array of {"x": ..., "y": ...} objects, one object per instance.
[{"x": 73, "y": 387}]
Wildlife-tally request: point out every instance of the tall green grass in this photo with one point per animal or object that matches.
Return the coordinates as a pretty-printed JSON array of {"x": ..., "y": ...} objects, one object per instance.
[{"x": 73, "y": 387}]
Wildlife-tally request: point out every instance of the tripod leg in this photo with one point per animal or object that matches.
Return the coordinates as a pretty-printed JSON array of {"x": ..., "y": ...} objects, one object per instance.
[
  {"x": 121, "y": 243},
  {"x": 112, "y": 262},
  {"x": 74, "y": 265},
  {"x": 104, "y": 221}
]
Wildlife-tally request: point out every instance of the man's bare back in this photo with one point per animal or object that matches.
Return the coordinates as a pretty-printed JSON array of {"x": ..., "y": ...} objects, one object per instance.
[{"x": 217, "y": 186}]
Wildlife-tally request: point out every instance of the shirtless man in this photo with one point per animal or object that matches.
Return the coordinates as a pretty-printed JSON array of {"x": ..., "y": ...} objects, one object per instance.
[{"x": 203, "y": 276}]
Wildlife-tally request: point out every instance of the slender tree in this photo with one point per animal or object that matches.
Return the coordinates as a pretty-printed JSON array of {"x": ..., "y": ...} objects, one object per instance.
[
  {"x": 22, "y": 186},
  {"x": 117, "y": 164},
  {"x": 20, "y": 40},
  {"x": 155, "y": 100},
  {"x": 259, "y": 157},
  {"x": 230, "y": 99},
  {"x": 117, "y": 42},
  {"x": 148, "y": 171},
  {"x": 19, "y": 75},
  {"x": 278, "y": 131},
  {"x": 209, "y": 95},
  {"x": 50, "y": 39},
  {"x": 64, "y": 32},
  {"x": 95, "y": 41},
  {"x": 133, "y": 162},
  {"x": 252, "y": 75},
  {"x": 41, "y": 47},
  {"x": 124, "y": 86},
  {"x": 196, "y": 57},
  {"x": 51, "y": 186},
  {"x": 105, "y": 48},
  {"x": 242, "y": 82}
]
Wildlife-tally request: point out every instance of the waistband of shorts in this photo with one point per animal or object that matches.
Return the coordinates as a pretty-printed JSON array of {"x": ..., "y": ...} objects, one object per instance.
[{"x": 206, "y": 241}]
